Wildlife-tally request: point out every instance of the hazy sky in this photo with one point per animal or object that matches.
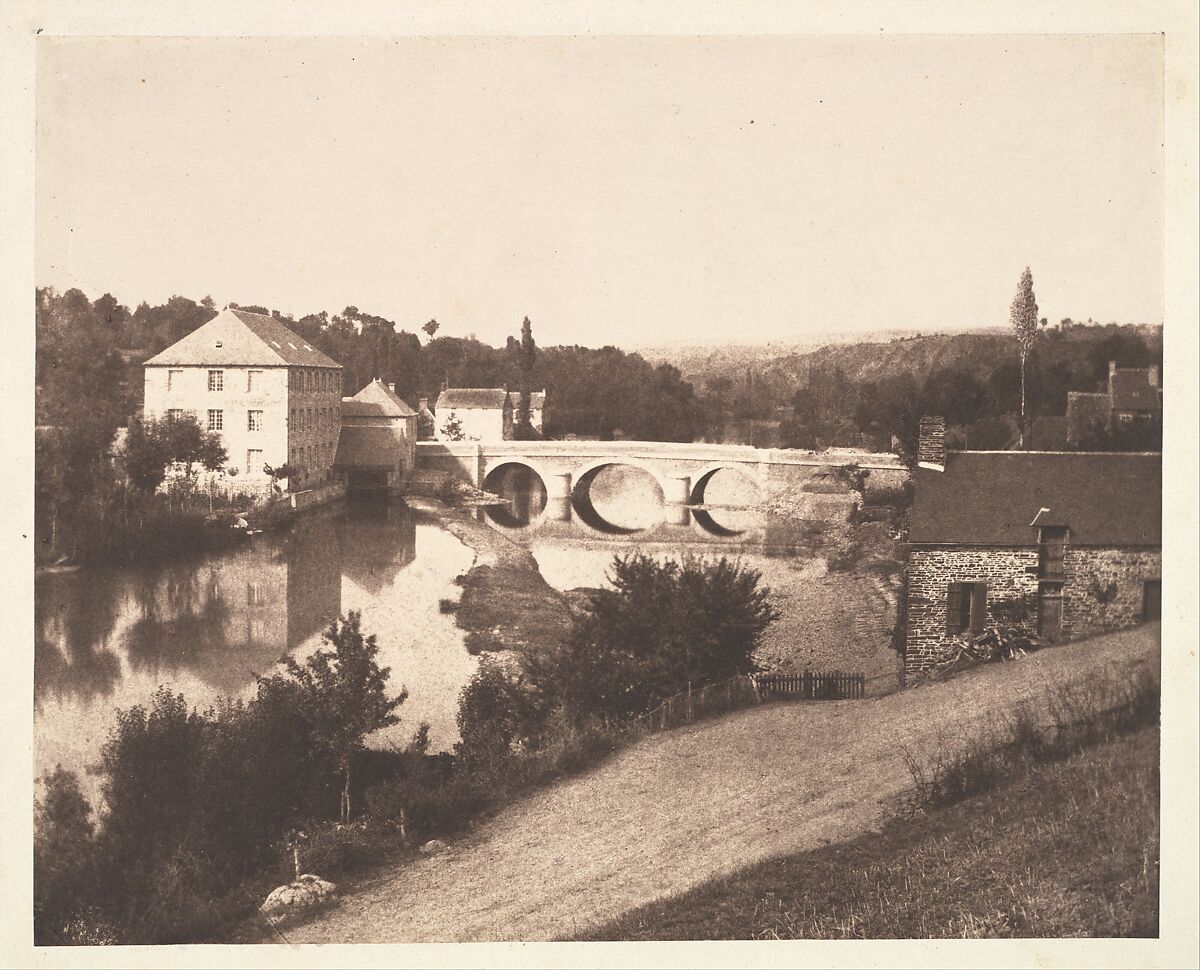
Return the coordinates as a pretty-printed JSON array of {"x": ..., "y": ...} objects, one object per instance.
[{"x": 615, "y": 190}]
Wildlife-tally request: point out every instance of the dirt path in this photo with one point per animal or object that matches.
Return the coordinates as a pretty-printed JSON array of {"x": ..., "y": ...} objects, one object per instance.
[{"x": 681, "y": 807}]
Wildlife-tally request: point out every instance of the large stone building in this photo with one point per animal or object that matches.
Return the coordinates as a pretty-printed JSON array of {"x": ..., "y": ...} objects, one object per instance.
[
  {"x": 1071, "y": 540},
  {"x": 1132, "y": 396},
  {"x": 378, "y": 444},
  {"x": 272, "y": 397}
]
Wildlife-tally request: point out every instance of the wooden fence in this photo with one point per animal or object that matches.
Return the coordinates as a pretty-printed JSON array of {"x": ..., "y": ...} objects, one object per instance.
[
  {"x": 747, "y": 691},
  {"x": 827, "y": 685}
]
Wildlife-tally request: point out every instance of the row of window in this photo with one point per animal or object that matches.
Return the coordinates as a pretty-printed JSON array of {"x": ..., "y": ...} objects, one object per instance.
[
  {"x": 298, "y": 380},
  {"x": 303, "y": 380},
  {"x": 312, "y": 419},
  {"x": 216, "y": 419}
]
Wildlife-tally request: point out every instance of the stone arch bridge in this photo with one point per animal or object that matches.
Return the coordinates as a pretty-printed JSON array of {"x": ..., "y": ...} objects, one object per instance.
[{"x": 682, "y": 471}]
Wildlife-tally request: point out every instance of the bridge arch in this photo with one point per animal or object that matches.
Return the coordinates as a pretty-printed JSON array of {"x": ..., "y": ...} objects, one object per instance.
[
  {"x": 581, "y": 498},
  {"x": 522, "y": 485},
  {"x": 703, "y": 517}
]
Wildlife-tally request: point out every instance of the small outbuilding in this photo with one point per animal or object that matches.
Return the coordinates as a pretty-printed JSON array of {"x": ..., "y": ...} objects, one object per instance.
[
  {"x": 1071, "y": 541},
  {"x": 378, "y": 441}
]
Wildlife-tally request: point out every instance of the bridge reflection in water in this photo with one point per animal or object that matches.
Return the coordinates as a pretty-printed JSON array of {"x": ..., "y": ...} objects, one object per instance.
[{"x": 615, "y": 499}]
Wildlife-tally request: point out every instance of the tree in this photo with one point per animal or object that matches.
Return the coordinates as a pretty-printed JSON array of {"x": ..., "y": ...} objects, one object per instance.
[
  {"x": 1023, "y": 318},
  {"x": 151, "y": 445},
  {"x": 342, "y": 694},
  {"x": 431, "y": 328},
  {"x": 526, "y": 356},
  {"x": 664, "y": 626},
  {"x": 452, "y": 428},
  {"x": 497, "y": 710},
  {"x": 63, "y": 839}
]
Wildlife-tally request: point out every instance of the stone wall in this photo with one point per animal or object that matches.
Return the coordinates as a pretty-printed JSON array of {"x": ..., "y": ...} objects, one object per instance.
[
  {"x": 1102, "y": 589},
  {"x": 1010, "y": 574}
]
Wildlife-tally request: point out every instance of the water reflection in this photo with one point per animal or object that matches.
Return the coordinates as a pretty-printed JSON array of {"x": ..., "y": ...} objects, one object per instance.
[
  {"x": 523, "y": 491},
  {"x": 106, "y": 639}
]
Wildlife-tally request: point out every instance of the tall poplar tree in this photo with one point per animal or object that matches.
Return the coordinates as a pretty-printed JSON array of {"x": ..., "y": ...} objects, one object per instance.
[
  {"x": 526, "y": 355},
  {"x": 1023, "y": 317}
]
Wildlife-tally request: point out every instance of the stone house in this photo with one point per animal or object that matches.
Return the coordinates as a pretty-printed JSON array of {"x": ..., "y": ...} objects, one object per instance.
[
  {"x": 1132, "y": 395},
  {"x": 1069, "y": 540},
  {"x": 378, "y": 444},
  {"x": 272, "y": 397}
]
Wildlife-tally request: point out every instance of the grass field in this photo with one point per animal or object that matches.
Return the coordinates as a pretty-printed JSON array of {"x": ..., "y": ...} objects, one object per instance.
[{"x": 1068, "y": 849}]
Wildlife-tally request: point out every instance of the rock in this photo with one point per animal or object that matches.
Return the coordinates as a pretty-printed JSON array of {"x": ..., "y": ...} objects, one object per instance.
[
  {"x": 305, "y": 893},
  {"x": 432, "y": 846}
]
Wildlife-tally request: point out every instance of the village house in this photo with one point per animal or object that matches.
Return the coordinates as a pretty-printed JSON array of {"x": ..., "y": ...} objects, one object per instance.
[
  {"x": 484, "y": 413},
  {"x": 272, "y": 397},
  {"x": 1130, "y": 397},
  {"x": 1069, "y": 540},
  {"x": 378, "y": 444}
]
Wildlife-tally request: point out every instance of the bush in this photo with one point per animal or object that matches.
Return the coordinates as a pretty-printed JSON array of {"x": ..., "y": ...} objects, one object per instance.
[
  {"x": 662, "y": 627},
  {"x": 499, "y": 711}
]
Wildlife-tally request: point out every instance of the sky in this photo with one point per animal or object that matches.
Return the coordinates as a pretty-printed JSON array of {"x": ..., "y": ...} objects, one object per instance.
[{"x": 630, "y": 191}]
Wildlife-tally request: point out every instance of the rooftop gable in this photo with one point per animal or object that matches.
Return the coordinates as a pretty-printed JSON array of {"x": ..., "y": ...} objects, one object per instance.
[
  {"x": 992, "y": 497},
  {"x": 238, "y": 338},
  {"x": 468, "y": 398},
  {"x": 376, "y": 400},
  {"x": 1132, "y": 390}
]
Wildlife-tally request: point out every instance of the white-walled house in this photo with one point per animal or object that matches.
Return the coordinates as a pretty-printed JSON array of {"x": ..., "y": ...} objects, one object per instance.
[
  {"x": 272, "y": 397},
  {"x": 485, "y": 413}
]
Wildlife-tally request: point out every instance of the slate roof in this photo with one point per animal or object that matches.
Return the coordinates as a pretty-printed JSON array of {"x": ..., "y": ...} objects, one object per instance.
[
  {"x": 466, "y": 398},
  {"x": 364, "y": 446},
  {"x": 238, "y": 338},
  {"x": 1132, "y": 391},
  {"x": 376, "y": 400},
  {"x": 991, "y": 497}
]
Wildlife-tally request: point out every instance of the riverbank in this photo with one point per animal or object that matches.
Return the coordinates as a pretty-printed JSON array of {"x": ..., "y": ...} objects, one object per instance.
[{"x": 506, "y": 602}]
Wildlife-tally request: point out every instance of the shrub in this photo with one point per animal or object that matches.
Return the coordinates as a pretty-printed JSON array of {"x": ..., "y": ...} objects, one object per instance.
[
  {"x": 498, "y": 711},
  {"x": 662, "y": 627}
]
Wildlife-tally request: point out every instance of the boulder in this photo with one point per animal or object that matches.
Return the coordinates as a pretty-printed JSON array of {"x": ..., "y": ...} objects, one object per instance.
[
  {"x": 307, "y": 892},
  {"x": 432, "y": 846}
]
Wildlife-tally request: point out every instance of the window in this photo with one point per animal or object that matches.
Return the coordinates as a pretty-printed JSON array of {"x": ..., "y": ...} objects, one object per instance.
[
  {"x": 966, "y": 607},
  {"x": 173, "y": 376},
  {"x": 216, "y": 420},
  {"x": 175, "y": 414},
  {"x": 254, "y": 461},
  {"x": 254, "y": 420},
  {"x": 1052, "y": 547},
  {"x": 254, "y": 593},
  {"x": 253, "y": 381},
  {"x": 216, "y": 380}
]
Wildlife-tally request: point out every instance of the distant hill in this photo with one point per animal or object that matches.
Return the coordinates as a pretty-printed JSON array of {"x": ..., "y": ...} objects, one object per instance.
[{"x": 779, "y": 369}]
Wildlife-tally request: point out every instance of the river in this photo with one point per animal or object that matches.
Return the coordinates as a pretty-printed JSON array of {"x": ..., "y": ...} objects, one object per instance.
[{"x": 107, "y": 638}]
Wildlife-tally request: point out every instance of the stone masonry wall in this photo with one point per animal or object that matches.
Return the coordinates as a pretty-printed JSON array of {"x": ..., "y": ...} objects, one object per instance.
[
  {"x": 1102, "y": 589},
  {"x": 932, "y": 569}
]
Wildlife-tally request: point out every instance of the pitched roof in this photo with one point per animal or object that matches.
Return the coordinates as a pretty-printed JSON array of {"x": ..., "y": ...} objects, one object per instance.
[
  {"x": 991, "y": 497},
  {"x": 472, "y": 397},
  {"x": 236, "y": 338},
  {"x": 376, "y": 400},
  {"x": 537, "y": 399},
  {"x": 364, "y": 446},
  {"x": 1132, "y": 391}
]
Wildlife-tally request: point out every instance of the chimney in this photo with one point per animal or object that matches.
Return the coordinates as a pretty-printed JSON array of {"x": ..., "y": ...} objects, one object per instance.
[
  {"x": 422, "y": 404},
  {"x": 931, "y": 443},
  {"x": 394, "y": 391}
]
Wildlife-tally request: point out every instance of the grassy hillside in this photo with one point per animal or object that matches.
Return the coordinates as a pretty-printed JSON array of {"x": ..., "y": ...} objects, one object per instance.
[
  {"x": 1070, "y": 849},
  {"x": 875, "y": 359}
]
